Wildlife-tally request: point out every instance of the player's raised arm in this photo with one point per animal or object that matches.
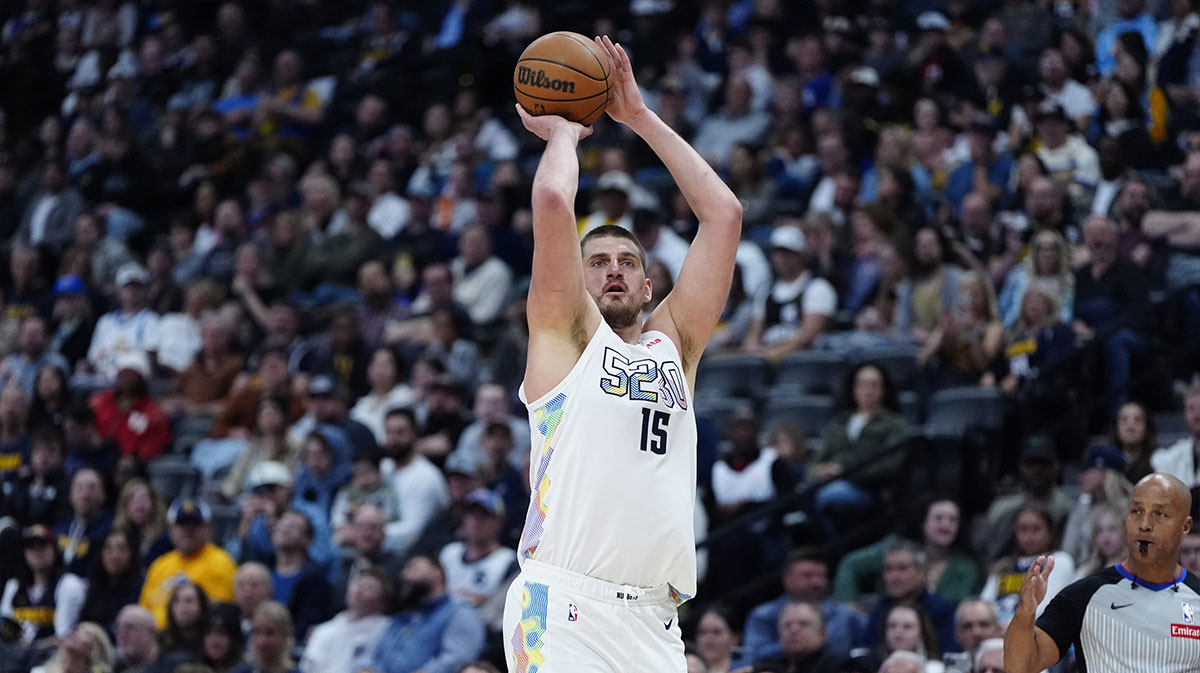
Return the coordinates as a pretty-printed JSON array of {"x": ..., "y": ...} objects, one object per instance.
[
  {"x": 559, "y": 308},
  {"x": 692, "y": 309}
]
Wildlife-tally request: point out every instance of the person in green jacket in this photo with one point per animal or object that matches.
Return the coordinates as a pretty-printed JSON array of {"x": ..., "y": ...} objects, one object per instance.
[
  {"x": 953, "y": 572},
  {"x": 869, "y": 420}
]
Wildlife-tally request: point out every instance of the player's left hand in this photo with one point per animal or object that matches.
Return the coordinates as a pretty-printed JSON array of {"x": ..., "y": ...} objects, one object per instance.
[{"x": 624, "y": 98}]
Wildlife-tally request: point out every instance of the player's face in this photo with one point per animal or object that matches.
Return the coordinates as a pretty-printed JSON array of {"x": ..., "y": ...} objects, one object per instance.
[
  {"x": 616, "y": 280},
  {"x": 1155, "y": 523}
]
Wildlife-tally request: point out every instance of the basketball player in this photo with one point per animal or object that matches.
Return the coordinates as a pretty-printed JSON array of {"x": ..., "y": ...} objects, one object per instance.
[
  {"x": 608, "y": 550},
  {"x": 1142, "y": 614}
]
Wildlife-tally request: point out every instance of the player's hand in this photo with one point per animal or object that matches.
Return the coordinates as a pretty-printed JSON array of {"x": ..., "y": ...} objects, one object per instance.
[
  {"x": 1034, "y": 588},
  {"x": 624, "y": 98},
  {"x": 544, "y": 126}
]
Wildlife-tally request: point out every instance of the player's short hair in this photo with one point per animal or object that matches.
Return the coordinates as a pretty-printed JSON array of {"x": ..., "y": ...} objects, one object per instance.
[{"x": 613, "y": 231}]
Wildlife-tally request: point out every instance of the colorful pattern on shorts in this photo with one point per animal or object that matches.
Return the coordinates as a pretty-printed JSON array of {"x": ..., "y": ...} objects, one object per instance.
[
  {"x": 527, "y": 641},
  {"x": 678, "y": 596},
  {"x": 547, "y": 417}
]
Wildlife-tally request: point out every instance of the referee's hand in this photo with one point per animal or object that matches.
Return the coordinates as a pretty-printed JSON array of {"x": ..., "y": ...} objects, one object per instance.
[{"x": 1034, "y": 588}]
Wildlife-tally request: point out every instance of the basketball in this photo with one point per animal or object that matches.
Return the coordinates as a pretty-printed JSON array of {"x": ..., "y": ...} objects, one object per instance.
[{"x": 563, "y": 74}]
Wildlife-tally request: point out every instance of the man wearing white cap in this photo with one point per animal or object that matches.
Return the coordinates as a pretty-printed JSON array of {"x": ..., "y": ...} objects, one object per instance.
[
  {"x": 131, "y": 328},
  {"x": 614, "y": 194},
  {"x": 796, "y": 308}
]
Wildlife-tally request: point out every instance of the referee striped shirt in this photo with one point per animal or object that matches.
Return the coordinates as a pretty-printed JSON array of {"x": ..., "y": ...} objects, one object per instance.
[{"x": 1119, "y": 623}]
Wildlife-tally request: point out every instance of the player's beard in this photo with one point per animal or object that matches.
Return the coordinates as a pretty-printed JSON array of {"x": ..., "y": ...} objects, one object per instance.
[{"x": 621, "y": 315}]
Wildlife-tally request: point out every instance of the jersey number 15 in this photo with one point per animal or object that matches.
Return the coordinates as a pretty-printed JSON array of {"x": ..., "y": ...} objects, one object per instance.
[{"x": 654, "y": 430}]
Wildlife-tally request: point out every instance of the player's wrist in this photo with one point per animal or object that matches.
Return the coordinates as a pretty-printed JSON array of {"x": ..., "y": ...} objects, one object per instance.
[{"x": 641, "y": 120}]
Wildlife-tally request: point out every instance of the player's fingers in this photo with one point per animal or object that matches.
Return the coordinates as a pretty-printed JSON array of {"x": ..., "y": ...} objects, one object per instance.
[{"x": 1049, "y": 566}]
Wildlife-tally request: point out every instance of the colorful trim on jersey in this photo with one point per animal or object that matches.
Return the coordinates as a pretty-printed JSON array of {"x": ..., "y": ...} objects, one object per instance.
[
  {"x": 527, "y": 641},
  {"x": 547, "y": 417},
  {"x": 678, "y": 596}
]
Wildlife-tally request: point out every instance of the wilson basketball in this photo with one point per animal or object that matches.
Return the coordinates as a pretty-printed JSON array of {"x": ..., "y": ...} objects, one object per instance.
[{"x": 563, "y": 74}]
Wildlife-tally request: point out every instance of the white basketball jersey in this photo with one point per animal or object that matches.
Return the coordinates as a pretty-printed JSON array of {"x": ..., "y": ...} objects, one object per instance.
[{"x": 613, "y": 467}]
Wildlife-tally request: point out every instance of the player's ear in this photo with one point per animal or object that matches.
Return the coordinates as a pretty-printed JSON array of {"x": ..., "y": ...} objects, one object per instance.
[
  {"x": 1187, "y": 525},
  {"x": 649, "y": 293}
]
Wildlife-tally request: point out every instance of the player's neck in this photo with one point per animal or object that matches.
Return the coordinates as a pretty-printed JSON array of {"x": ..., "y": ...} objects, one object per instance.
[
  {"x": 1153, "y": 573},
  {"x": 631, "y": 334}
]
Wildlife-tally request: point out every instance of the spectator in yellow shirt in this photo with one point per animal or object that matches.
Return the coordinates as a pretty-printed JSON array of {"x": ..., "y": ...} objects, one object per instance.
[{"x": 194, "y": 558}]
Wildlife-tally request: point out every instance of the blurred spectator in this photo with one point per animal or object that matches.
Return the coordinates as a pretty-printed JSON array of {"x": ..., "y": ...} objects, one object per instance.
[
  {"x": 224, "y": 644},
  {"x": 975, "y": 622},
  {"x": 1134, "y": 433},
  {"x": 81, "y": 534},
  {"x": 1035, "y": 535},
  {"x": 323, "y": 470},
  {"x": 128, "y": 414},
  {"x": 796, "y": 308},
  {"x": 25, "y": 295},
  {"x": 986, "y": 171},
  {"x": 735, "y": 123},
  {"x": 433, "y": 632},
  {"x": 614, "y": 197},
  {"x": 270, "y": 441},
  {"x": 252, "y": 587},
  {"x": 299, "y": 583},
  {"x": 85, "y": 447},
  {"x": 86, "y": 648},
  {"x": 1049, "y": 261},
  {"x": 907, "y": 629},
  {"x": 241, "y": 409},
  {"x": 1038, "y": 471},
  {"x": 868, "y": 421},
  {"x": 380, "y": 305},
  {"x": 805, "y": 643},
  {"x": 388, "y": 391},
  {"x": 137, "y": 649},
  {"x": 40, "y": 494},
  {"x": 181, "y": 335},
  {"x": 115, "y": 582},
  {"x": 1110, "y": 300},
  {"x": 364, "y": 548},
  {"x": 505, "y": 479},
  {"x": 52, "y": 397},
  {"x": 1179, "y": 458},
  {"x": 73, "y": 321},
  {"x": 44, "y": 598},
  {"x": 1131, "y": 18},
  {"x": 1107, "y": 542},
  {"x": 51, "y": 210},
  {"x": 328, "y": 414},
  {"x": 1037, "y": 342},
  {"x": 932, "y": 288},
  {"x": 194, "y": 558},
  {"x": 968, "y": 336},
  {"x": 187, "y": 618},
  {"x": 477, "y": 568},
  {"x": 22, "y": 367},
  {"x": 904, "y": 579},
  {"x": 14, "y": 430},
  {"x": 449, "y": 344},
  {"x": 269, "y": 493},
  {"x": 335, "y": 644},
  {"x": 805, "y": 579},
  {"x": 141, "y": 510},
  {"x": 366, "y": 486},
  {"x": 717, "y": 638},
  {"x": 1102, "y": 486},
  {"x": 491, "y": 404},
  {"x": 130, "y": 330},
  {"x": 271, "y": 641},
  {"x": 1189, "y": 552},
  {"x": 952, "y": 571},
  {"x": 481, "y": 280}
]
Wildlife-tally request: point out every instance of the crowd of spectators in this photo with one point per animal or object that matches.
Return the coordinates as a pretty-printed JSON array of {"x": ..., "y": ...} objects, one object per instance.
[{"x": 262, "y": 319}]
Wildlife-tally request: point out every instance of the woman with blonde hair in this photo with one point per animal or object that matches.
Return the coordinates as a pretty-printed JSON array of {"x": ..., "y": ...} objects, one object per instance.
[
  {"x": 86, "y": 650},
  {"x": 140, "y": 509},
  {"x": 1048, "y": 261},
  {"x": 969, "y": 335},
  {"x": 271, "y": 641},
  {"x": 1108, "y": 541}
]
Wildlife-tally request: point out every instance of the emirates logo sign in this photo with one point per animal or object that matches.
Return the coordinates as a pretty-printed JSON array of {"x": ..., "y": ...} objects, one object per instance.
[{"x": 1185, "y": 631}]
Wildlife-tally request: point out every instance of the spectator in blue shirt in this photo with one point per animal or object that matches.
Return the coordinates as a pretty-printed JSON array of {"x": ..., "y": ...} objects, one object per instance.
[{"x": 434, "y": 632}]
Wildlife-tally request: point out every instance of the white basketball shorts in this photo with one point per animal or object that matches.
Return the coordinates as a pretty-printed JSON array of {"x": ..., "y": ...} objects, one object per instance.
[{"x": 558, "y": 621}]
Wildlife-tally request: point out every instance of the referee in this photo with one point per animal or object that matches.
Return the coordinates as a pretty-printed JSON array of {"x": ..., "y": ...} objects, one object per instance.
[{"x": 1140, "y": 615}]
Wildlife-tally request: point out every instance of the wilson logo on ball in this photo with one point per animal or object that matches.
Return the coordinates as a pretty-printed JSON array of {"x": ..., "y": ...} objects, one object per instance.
[{"x": 539, "y": 79}]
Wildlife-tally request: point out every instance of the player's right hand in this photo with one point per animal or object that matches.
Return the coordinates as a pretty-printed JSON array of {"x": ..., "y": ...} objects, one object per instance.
[
  {"x": 544, "y": 126},
  {"x": 1034, "y": 588}
]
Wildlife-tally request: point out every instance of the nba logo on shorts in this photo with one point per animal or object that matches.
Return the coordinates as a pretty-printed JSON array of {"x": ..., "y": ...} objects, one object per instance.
[
  {"x": 1189, "y": 614},
  {"x": 573, "y": 612}
]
